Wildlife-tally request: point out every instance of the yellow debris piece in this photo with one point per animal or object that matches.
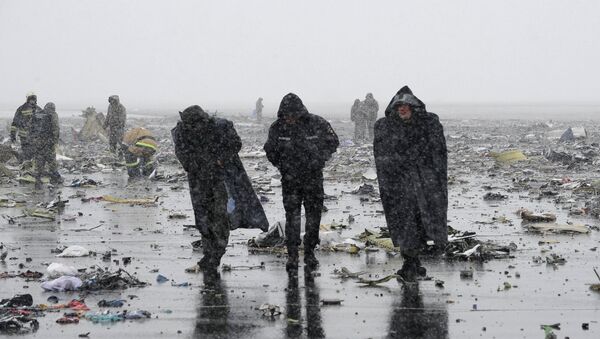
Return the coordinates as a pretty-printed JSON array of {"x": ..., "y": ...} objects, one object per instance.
[
  {"x": 508, "y": 156},
  {"x": 139, "y": 201}
]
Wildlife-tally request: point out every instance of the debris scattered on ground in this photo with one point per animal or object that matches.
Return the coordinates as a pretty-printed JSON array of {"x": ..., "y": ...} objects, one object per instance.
[
  {"x": 269, "y": 310},
  {"x": 18, "y": 324},
  {"x": 61, "y": 284},
  {"x": 17, "y": 301},
  {"x": 529, "y": 216},
  {"x": 130, "y": 201},
  {"x": 327, "y": 302},
  {"x": 345, "y": 273},
  {"x": 558, "y": 228},
  {"x": 494, "y": 196},
  {"x": 74, "y": 251},
  {"x": 56, "y": 270},
  {"x": 508, "y": 156},
  {"x": 375, "y": 282},
  {"x": 111, "y": 303},
  {"x": 226, "y": 267},
  {"x": 100, "y": 279}
]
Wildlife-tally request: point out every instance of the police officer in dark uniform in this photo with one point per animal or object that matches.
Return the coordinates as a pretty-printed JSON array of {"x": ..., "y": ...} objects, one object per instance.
[
  {"x": 21, "y": 126},
  {"x": 299, "y": 144},
  {"x": 203, "y": 145},
  {"x": 44, "y": 135}
]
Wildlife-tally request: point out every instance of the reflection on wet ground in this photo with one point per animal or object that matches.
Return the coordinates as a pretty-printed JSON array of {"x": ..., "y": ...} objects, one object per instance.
[{"x": 412, "y": 318}]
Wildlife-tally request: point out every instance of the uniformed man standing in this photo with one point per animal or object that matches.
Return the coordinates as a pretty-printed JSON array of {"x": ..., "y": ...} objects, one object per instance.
[
  {"x": 44, "y": 135},
  {"x": 258, "y": 110},
  {"x": 359, "y": 117},
  {"x": 299, "y": 144},
  {"x": 370, "y": 107},
  {"x": 21, "y": 126},
  {"x": 116, "y": 117}
]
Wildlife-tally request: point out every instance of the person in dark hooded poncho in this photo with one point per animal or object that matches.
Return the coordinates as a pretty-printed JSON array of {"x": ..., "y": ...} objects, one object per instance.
[
  {"x": 411, "y": 160},
  {"x": 299, "y": 144},
  {"x": 204, "y": 145}
]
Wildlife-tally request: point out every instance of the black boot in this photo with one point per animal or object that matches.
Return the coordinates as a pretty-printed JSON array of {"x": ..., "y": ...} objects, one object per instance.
[
  {"x": 421, "y": 271},
  {"x": 408, "y": 272},
  {"x": 292, "y": 261},
  {"x": 411, "y": 268},
  {"x": 310, "y": 261}
]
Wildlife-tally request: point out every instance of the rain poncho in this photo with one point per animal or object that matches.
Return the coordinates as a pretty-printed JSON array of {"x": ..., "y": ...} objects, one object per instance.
[{"x": 411, "y": 160}]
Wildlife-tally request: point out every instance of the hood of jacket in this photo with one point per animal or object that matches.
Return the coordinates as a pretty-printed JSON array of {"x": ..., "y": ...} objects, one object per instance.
[
  {"x": 50, "y": 107},
  {"x": 402, "y": 97},
  {"x": 114, "y": 99},
  {"x": 194, "y": 115},
  {"x": 291, "y": 104}
]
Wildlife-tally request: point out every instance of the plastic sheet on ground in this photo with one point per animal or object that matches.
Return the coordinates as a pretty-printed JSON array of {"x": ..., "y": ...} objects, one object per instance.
[
  {"x": 56, "y": 270},
  {"x": 64, "y": 283}
]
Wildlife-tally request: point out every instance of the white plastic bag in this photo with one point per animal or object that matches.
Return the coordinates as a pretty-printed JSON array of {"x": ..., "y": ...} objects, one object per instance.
[
  {"x": 74, "y": 251},
  {"x": 56, "y": 270},
  {"x": 64, "y": 283}
]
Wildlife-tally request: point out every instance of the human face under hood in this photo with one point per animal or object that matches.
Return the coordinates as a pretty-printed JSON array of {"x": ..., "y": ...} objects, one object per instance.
[
  {"x": 32, "y": 100},
  {"x": 404, "y": 97},
  {"x": 50, "y": 107}
]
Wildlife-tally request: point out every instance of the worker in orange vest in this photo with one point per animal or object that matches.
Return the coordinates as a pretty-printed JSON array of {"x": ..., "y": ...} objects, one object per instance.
[{"x": 139, "y": 147}]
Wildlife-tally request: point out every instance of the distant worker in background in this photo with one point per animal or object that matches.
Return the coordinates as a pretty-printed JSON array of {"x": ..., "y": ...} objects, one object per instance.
[
  {"x": 116, "y": 117},
  {"x": 258, "y": 110},
  {"x": 371, "y": 107},
  {"x": 21, "y": 126},
  {"x": 358, "y": 116},
  {"x": 138, "y": 148},
  {"x": 44, "y": 136}
]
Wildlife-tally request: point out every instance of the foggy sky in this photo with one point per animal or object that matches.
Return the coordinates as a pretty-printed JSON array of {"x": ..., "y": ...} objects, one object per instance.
[{"x": 219, "y": 54}]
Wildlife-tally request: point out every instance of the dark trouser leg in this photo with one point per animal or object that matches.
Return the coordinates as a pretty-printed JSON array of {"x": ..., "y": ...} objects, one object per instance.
[
  {"x": 132, "y": 162},
  {"x": 292, "y": 203},
  {"x": 313, "y": 206},
  {"x": 210, "y": 209},
  {"x": 371, "y": 129},
  {"x": 27, "y": 152},
  {"x": 40, "y": 164},
  {"x": 219, "y": 222},
  {"x": 55, "y": 177},
  {"x": 360, "y": 130},
  {"x": 148, "y": 165},
  {"x": 113, "y": 140}
]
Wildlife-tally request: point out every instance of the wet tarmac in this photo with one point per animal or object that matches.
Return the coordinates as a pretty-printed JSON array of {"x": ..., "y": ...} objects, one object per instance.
[{"x": 227, "y": 305}]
